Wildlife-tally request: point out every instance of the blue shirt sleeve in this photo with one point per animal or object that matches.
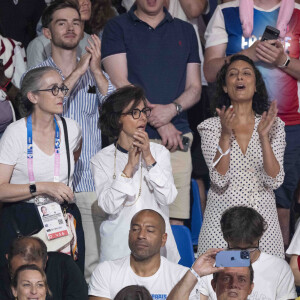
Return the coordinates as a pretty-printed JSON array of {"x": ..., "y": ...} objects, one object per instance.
[
  {"x": 113, "y": 38},
  {"x": 194, "y": 53}
]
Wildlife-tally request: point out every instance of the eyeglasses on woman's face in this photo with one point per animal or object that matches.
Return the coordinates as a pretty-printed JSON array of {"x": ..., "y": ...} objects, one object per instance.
[
  {"x": 55, "y": 90},
  {"x": 136, "y": 113}
]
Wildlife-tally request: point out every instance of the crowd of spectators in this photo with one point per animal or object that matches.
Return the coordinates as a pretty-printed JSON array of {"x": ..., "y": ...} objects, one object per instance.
[{"x": 108, "y": 108}]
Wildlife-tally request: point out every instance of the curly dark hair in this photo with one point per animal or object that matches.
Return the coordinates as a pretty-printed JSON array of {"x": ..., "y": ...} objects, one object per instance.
[
  {"x": 102, "y": 11},
  {"x": 242, "y": 224},
  {"x": 114, "y": 105},
  {"x": 260, "y": 102}
]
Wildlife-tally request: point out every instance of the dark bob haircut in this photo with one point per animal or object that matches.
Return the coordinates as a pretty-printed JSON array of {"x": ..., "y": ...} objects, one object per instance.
[
  {"x": 133, "y": 292},
  {"x": 260, "y": 102},
  {"x": 241, "y": 224},
  {"x": 48, "y": 12},
  {"x": 114, "y": 105}
]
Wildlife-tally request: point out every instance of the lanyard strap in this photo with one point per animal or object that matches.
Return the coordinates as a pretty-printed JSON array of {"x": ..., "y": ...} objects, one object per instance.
[{"x": 30, "y": 152}]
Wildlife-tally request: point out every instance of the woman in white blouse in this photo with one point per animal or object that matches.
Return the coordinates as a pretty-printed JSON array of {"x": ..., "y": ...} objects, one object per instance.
[
  {"x": 26, "y": 178},
  {"x": 243, "y": 148},
  {"x": 131, "y": 174}
]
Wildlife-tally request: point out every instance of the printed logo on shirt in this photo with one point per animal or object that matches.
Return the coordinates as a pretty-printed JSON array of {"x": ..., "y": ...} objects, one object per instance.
[{"x": 159, "y": 296}]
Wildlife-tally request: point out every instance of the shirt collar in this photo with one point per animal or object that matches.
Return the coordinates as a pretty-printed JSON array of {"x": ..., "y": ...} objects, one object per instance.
[{"x": 133, "y": 16}]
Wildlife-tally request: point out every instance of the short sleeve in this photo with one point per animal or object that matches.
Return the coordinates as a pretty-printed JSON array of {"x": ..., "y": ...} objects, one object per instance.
[
  {"x": 112, "y": 39},
  {"x": 10, "y": 146},
  {"x": 194, "y": 53},
  {"x": 75, "y": 134},
  {"x": 278, "y": 143},
  {"x": 100, "y": 281},
  {"x": 215, "y": 33},
  {"x": 286, "y": 286},
  {"x": 294, "y": 248}
]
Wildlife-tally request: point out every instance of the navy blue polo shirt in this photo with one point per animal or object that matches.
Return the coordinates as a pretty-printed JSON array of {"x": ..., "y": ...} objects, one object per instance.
[{"x": 156, "y": 58}]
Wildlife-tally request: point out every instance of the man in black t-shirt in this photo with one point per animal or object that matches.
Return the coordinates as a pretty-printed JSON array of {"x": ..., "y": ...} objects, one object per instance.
[{"x": 64, "y": 278}]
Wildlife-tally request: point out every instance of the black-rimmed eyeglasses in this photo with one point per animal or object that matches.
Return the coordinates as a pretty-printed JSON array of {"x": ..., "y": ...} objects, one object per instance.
[
  {"x": 136, "y": 113},
  {"x": 250, "y": 249},
  {"x": 55, "y": 90}
]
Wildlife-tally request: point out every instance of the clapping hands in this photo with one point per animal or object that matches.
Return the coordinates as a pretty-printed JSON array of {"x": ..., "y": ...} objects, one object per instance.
[
  {"x": 267, "y": 120},
  {"x": 228, "y": 119}
]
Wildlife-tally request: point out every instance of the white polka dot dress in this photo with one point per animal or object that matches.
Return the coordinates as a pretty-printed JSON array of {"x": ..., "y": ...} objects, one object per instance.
[{"x": 245, "y": 183}]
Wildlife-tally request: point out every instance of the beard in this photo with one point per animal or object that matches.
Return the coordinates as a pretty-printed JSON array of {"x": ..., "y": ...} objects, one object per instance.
[{"x": 66, "y": 45}]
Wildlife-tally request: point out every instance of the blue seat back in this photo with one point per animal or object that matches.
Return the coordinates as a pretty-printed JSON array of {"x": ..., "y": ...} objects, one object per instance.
[
  {"x": 183, "y": 240},
  {"x": 196, "y": 212}
]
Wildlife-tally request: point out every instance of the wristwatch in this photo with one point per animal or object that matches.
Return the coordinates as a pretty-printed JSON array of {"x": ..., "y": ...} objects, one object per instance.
[
  {"x": 178, "y": 108},
  {"x": 286, "y": 63},
  {"x": 151, "y": 166},
  {"x": 32, "y": 188}
]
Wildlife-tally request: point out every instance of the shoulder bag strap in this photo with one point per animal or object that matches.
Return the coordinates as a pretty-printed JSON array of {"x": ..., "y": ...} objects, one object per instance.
[{"x": 67, "y": 145}]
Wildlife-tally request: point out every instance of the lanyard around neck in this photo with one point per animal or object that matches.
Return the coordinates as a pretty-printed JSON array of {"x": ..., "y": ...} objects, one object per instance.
[{"x": 30, "y": 152}]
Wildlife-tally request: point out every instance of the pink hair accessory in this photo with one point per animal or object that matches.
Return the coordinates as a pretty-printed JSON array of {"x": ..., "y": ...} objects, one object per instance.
[{"x": 246, "y": 16}]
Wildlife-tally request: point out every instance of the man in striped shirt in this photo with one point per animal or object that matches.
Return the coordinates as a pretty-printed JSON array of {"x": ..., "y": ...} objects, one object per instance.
[{"x": 88, "y": 86}]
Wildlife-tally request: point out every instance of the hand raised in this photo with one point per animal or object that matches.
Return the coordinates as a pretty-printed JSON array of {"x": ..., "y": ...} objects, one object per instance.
[
  {"x": 228, "y": 119},
  {"x": 133, "y": 159},
  {"x": 94, "y": 49},
  {"x": 204, "y": 264},
  {"x": 267, "y": 120},
  {"x": 141, "y": 141},
  {"x": 83, "y": 64}
]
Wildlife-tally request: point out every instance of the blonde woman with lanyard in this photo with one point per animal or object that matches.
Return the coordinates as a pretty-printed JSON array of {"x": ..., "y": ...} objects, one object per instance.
[
  {"x": 33, "y": 159},
  {"x": 131, "y": 175}
]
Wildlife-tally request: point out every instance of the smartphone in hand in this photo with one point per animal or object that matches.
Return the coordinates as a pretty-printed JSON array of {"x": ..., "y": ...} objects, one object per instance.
[
  {"x": 185, "y": 142},
  {"x": 233, "y": 258},
  {"x": 270, "y": 33}
]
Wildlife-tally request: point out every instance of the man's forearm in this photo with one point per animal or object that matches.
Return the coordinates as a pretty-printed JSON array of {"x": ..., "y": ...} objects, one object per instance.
[
  {"x": 101, "y": 81},
  {"x": 189, "y": 97},
  {"x": 293, "y": 68},
  {"x": 71, "y": 80},
  {"x": 183, "y": 288}
]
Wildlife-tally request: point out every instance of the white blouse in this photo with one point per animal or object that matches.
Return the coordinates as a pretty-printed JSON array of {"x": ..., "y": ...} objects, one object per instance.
[{"x": 117, "y": 197}]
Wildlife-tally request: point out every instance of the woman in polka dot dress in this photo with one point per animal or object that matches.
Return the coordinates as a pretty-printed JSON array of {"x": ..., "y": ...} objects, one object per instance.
[{"x": 243, "y": 148}]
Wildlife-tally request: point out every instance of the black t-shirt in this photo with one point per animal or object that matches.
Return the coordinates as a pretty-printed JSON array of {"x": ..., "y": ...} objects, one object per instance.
[{"x": 64, "y": 277}]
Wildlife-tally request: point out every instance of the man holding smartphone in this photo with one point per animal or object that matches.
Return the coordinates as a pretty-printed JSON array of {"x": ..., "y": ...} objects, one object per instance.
[
  {"x": 228, "y": 283},
  {"x": 278, "y": 61}
]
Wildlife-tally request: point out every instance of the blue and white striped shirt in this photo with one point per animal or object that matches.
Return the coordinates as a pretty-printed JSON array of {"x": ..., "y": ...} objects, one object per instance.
[{"x": 83, "y": 107}]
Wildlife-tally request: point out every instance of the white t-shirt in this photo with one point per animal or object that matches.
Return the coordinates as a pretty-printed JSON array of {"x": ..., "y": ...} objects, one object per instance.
[
  {"x": 273, "y": 280},
  {"x": 294, "y": 248},
  {"x": 111, "y": 276},
  {"x": 13, "y": 151}
]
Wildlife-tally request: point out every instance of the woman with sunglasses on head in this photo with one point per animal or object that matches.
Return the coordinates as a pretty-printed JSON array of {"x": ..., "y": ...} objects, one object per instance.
[
  {"x": 33, "y": 158},
  {"x": 131, "y": 174}
]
